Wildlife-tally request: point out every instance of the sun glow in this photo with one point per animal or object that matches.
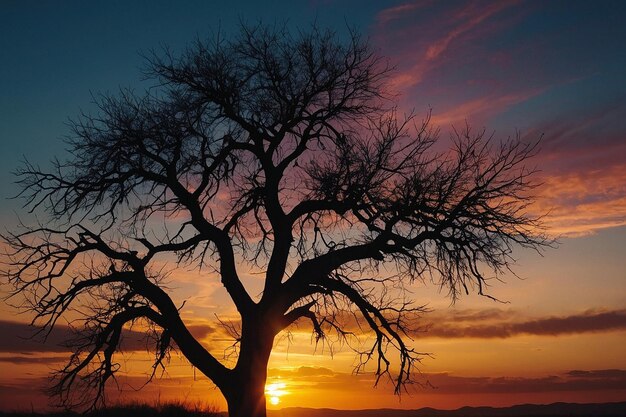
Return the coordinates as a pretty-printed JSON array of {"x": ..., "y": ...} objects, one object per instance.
[{"x": 274, "y": 391}]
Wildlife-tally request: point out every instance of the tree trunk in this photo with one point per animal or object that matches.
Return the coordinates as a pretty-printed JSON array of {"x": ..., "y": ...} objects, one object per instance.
[
  {"x": 247, "y": 399},
  {"x": 246, "y": 394}
]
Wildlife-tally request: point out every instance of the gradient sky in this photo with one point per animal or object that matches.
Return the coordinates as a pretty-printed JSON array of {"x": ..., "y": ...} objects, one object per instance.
[{"x": 554, "y": 68}]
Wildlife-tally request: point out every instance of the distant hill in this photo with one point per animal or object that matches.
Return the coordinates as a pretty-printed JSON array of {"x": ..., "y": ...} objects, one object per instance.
[{"x": 525, "y": 410}]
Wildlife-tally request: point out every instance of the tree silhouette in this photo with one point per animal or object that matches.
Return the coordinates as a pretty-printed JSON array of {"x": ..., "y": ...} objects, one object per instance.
[{"x": 271, "y": 151}]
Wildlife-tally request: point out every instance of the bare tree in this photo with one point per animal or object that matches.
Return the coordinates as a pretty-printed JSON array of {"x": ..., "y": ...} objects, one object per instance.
[{"x": 274, "y": 151}]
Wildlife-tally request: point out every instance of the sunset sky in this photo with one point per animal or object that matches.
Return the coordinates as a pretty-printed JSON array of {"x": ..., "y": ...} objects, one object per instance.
[{"x": 556, "y": 69}]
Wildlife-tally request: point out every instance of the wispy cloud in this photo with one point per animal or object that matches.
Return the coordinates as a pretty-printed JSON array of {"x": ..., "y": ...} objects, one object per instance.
[
  {"x": 480, "y": 108},
  {"x": 32, "y": 359},
  {"x": 573, "y": 215},
  {"x": 508, "y": 324},
  {"x": 468, "y": 62},
  {"x": 449, "y": 383},
  {"x": 392, "y": 13},
  {"x": 20, "y": 337},
  {"x": 465, "y": 20},
  {"x": 430, "y": 33},
  {"x": 500, "y": 324},
  {"x": 597, "y": 380},
  {"x": 483, "y": 324},
  {"x": 300, "y": 372},
  {"x": 583, "y": 174}
]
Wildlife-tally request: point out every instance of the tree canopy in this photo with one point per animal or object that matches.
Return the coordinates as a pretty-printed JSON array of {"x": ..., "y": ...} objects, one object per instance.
[{"x": 275, "y": 151}]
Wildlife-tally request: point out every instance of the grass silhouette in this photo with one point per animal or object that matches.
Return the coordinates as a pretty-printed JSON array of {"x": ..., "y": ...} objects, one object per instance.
[{"x": 169, "y": 409}]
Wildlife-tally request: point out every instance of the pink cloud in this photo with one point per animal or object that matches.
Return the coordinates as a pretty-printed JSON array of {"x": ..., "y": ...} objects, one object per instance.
[
  {"x": 396, "y": 12},
  {"x": 481, "y": 108},
  {"x": 467, "y": 19},
  {"x": 425, "y": 43}
]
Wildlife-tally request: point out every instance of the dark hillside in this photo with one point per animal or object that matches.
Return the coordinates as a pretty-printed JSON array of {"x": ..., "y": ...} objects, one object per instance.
[{"x": 525, "y": 410}]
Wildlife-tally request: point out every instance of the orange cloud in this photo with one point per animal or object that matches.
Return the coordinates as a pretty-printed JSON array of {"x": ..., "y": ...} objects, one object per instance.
[{"x": 580, "y": 203}]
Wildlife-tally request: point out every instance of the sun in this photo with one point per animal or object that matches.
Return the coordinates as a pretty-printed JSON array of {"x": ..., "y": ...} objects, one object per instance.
[{"x": 274, "y": 391}]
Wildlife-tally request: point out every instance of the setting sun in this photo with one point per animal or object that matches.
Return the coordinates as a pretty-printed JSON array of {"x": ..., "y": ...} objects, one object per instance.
[
  {"x": 306, "y": 209},
  {"x": 274, "y": 391}
]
